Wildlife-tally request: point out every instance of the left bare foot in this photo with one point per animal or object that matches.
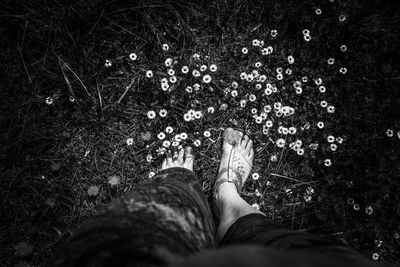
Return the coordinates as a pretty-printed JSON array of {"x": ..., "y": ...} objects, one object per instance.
[{"x": 183, "y": 158}]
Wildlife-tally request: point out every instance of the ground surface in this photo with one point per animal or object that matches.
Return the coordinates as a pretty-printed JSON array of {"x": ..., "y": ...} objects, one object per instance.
[{"x": 76, "y": 134}]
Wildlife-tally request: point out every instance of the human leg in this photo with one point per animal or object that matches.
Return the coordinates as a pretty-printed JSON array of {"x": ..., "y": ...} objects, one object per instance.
[
  {"x": 236, "y": 163},
  {"x": 158, "y": 222}
]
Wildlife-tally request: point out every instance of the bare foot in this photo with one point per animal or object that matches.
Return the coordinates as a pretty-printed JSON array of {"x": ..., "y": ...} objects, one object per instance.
[
  {"x": 183, "y": 158},
  {"x": 240, "y": 158}
]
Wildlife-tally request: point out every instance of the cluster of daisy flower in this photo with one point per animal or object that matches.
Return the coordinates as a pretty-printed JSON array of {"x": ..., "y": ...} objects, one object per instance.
[
  {"x": 269, "y": 90},
  {"x": 257, "y": 89}
]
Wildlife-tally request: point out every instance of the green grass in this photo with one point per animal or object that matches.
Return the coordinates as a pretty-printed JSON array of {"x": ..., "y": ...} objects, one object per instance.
[{"x": 51, "y": 154}]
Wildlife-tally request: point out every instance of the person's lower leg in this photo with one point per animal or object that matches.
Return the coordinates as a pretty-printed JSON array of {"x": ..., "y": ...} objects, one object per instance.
[{"x": 231, "y": 207}]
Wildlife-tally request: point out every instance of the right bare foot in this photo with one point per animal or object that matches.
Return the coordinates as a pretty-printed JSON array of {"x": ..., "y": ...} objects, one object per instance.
[{"x": 237, "y": 157}]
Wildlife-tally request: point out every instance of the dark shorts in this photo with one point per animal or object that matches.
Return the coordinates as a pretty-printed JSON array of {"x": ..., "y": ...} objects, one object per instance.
[{"x": 165, "y": 220}]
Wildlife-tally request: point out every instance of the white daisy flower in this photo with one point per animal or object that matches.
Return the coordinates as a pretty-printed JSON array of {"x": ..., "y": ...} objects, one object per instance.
[
  {"x": 318, "y": 11},
  {"x": 243, "y": 76},
  {"x": 290, "y": 59},
  {"x": 207, "y": 134},
  {"x": 184, "y": 136},
  {"x": 264, "y": 51},
  {"x": 185, "y": 69},
  {"x": 197, "y": 143},
  {"x": 166, "y": 143},
  {"x": 171, "y": 72},
  {"x": 327, "y": 162},
  {"x": 331, "y": 61},
  {"x": 132, "y": 56},
  {"x": 129, "y": 141},
  {"x": 196, "y": 73},
  {"x": 307, "y": 38},
  {"x": 169, "y": 129},
  {"x": 330, "y": 139},
  {"x": 151, "y": 114},
  {"x": 343, "y": 48},
  {"x": 189, "y": 89},
  {"x": 210, "y": 110},
  {"x": 151, "y": 174},
  {"x": 198, "y": 114},
  {"x": 175, "y": 143},
  {"x": 324, "y": 104},
  {"x": 320, "y": 124},
  {"x": 173, "y": 79},
  {"x": 256, "y": 42},
  {"x": 235, "y": 85},
  {"x": 49, "y": 100},
  {"x": 375, "y": 256},
  {"x": 163, "y": 113},
  {"x": 165, "y": 47},
  {"x": 292, "y": 130},
  {"x": 213, "y": 68},
  {"x": 258, "y": 119},
  {"x": 274, "y": 33},
  {"x": 252, "y": 98},
  {"x": 108, "y": 63},
  {"x": 164, "y": 86},
  {"x": 306, "y": 32},
  {"x": 206, "y": 78},
  {"x": 245, "y": 50},
  {"x": 161, "y": 136},
  {"x": 343, "y": 70},
  {"x": 149, "y": 74},
  {"x": 168, "y": 62},
  {"x": 263, "y": 115},
  {"x": 258, "y": 64},
  {"x": 342, "y": 18},
  {"x": 333, "y": 147},
  {"x": 280, "y": 142},
  {"x": 330, "y": 109},
  {"x": 203, "y": 68},
  {"x": 279, "y": 76},
  {"x": 187, "y": 117},
  {"x": 318, "y": 81},
  {"x": 322, "y": 89},
  {"x": 255, "y": 176},
  {"x": 234, "y": 93},
  {"x": 267, "y": 108},
  {"x": 243, "y": 103},
  {"x": 256, "y": 206}
]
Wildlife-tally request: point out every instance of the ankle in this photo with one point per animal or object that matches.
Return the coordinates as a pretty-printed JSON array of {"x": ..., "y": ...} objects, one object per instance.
[{"x": 227, "y": 191}]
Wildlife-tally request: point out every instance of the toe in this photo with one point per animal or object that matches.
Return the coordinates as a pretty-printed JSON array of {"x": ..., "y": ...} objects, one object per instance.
[
  {"x": 251, "y": 153},
  {"x": 164, "y": 164},
  {"x": 180, "y": 155},
  {"x": 244, "y": 142},
  {"x": 239, "y": 136},
  {"x": 249, "y": 145},
  {"x": 169, "y": 158},
  {"x": 188, "y": 158}
]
